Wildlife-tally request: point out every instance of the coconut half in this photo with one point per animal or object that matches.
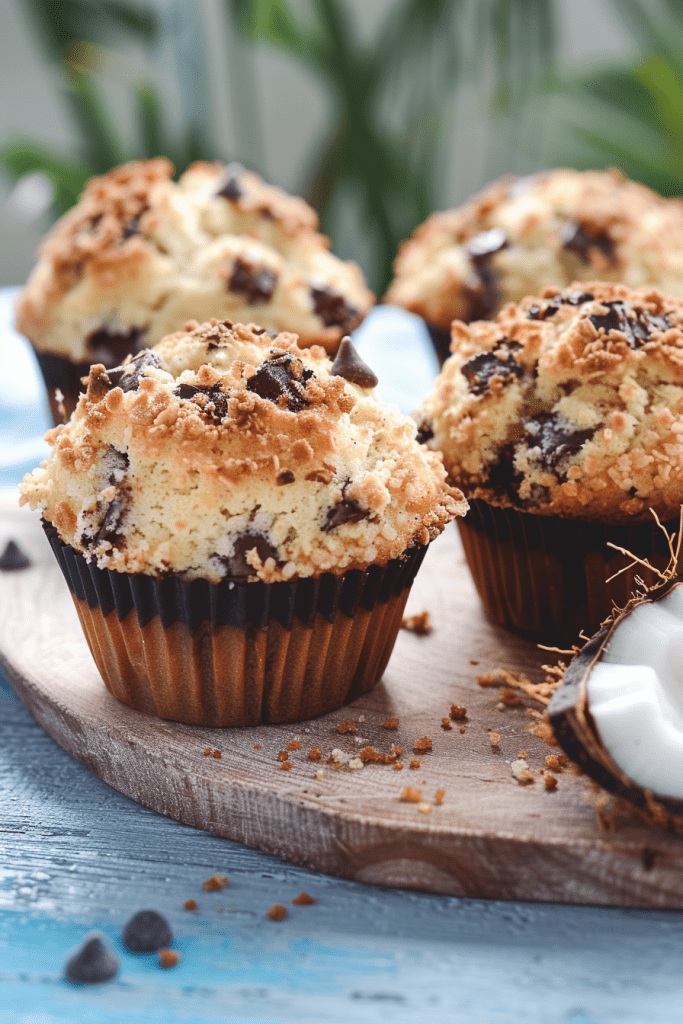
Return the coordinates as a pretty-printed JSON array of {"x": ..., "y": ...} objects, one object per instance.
[{"x": 619, "y": 711}]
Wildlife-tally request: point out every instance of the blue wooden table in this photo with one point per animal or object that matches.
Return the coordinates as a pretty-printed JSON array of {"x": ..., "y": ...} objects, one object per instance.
[{"x": 76, "y": 855}]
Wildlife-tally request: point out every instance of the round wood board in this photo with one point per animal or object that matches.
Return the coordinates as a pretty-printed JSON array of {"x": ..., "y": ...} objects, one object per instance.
[{"x": 491, "y": 837}]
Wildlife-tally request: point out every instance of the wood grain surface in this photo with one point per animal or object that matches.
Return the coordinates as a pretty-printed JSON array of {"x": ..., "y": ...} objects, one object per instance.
[{"x": 491, "y": 837}]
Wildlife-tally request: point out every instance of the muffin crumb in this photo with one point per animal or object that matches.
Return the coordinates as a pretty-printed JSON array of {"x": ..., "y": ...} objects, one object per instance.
[
  {"x": 414, "y": 764},
  {"x": 168, "y": 958},
  {"x": 215, "y": 882},
  {"x": 391, "y": 724},
  {"x": 420, "y": 624},
  {"x": 423, "y": 745},
  {"x": 303, "y": 900},
  {"x": 190, "y": 905},
  {"x": 315, "y": 754},
  {"x": 277, "y": 912},
  {"x": 346, "y": 727},
  {"x": 410, "y": 795}
]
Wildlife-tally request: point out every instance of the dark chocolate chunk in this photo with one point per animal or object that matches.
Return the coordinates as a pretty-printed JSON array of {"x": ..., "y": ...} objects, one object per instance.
[
  {"x": 92, "y": 964},
  {"x": 231, "y": 186},
  {"x": 285, "y": 477},
  {"x": 424, "y": 433},
  {"x": 236, "y": 563},
  {"x": 256, "y": 284},
  {"x": 113, "y": 518},
  {"x": 332, "y": 308},
  {"x": 555, "y": 437},
  {"x": 480, "y": 369},
  {"x": 575, "y": 238},
  {"x": 484, "y": 292},
  {"x": 215, "y": 406},
  {"x": 346, "y": 511},
  {"x": 147, "y": 932},
  {"x": 349, "y": 365},
  {"x": 111, "y": 514},
  {"x": 576, "y": 298},
  {"x": 109, "y": 346},
  {"x": 132, "y": 226},
  {"x": 13, "y": 558},
  {"x": 282, "y": 376},
  {"x": 128, "y": 377},
  {"x": 538, "y": 312},
  {"x": 636, "y": 324}
]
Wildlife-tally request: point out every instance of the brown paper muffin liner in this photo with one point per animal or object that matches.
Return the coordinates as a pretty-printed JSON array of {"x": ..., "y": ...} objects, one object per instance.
[
  {"x": 235, "y": 652},
  {"x": 441, "y": 340},
  {"x": 60, "y": 373},
  {"x": 547, "y": 576}
]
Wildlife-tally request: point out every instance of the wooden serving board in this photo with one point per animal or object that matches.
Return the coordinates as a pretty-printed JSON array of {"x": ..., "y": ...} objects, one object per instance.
[{"x": 491, "y": 837}]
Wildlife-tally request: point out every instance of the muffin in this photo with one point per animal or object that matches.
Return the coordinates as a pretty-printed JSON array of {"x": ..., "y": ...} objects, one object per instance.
[
  {"x": 140, "y": 255},
  {"x": 562, "y": 421},
  {"x": 239, "y": 521},
  {"x": 520, "y": 236}
]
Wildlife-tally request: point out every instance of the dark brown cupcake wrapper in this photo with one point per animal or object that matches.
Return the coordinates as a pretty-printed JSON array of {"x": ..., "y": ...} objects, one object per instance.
[
  {"x": 441, "y": 340},
  {"x": 547, "y": 576},
  {"x": 238, "y": 653},
  {"x": 60, "y": 372}
]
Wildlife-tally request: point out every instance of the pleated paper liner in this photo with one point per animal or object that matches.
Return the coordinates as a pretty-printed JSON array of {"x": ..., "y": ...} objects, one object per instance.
[
  {"x": 441, "y": 340},
  {"x": 238, "y": 653},
  {"x": 547, "y": 576},
  {"x": 59, "y": 373}
]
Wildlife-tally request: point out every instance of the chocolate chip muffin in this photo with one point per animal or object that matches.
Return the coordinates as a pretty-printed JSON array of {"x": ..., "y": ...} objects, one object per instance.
[
  {"x": 140, "y": 255},
  {"x": 239, "y": 521},
  {"x": 521, "y": 235},
  {"x": 562, "y": 421}
]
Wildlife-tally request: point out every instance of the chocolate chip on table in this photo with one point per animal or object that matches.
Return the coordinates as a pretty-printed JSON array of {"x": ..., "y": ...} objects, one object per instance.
[
  {"x": 147, "y": 932},
  {"x": 110, "y": 346},
  {"x": 231, "y": 186},
  {"x": 575, "y": 238},
  {"x": 332, "y": 307},
  {"x": 349, "y": 365},
  {"x": 257, "y": 284},
  {"x": 13, "y": 558},
  {"x": 424, "y": 433},
  {"x": 635, "y": 324},
  {"x": 282, "y": 376},
  {"x": 92, "y": 964},
  {"x": 499, "y": 362},
  {"x": 216, "y": 402},
  {"x": 236, "y": 564},
  {"x": 128, "y": 377}
]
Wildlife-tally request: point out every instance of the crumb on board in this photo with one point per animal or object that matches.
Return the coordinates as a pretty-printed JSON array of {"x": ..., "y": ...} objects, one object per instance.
[
  {"x": 315, "y": 754},
  {"x": 438, "y": 797},
  {"x": 423, "y": 745},
  {"x": 494, "y": 737},
  {"x": 293, "y": 745},
  {"x": 355, "y": 763},
  {"x": 424, "y": 808},
  {"x": 215, "y": 882},
  {"x": 320, "y": 774},
  {"x": 208, "y": 752},
  {"x": 473, "y": 661},
  {"x": 458, "y": 713},
  {"x": 277, "y": 912},
  {"x": 257, "y": 746},
  {"x": 303, "y": 900},
  {"x": 522, "y": 753},
  {"x": 446, "y": 724},
  {"x": 521, "y": 771},
  {"x": 398, "y": 766},
  {"x": 368, "y": 754},
  {"x": 541, "y": 726},
  {"x": 549, "y": 781},
  {"x": 420, "y": 624},
  {"x": 556, "y": 762},
  {"x": 217, "y": 754},
  {"x": 396, "y": 750},
  {"x": 286, "y": 766},
  {"x": 390, "y": 723},
  {"x": 168, "y": 958},
  {"x": 338, "y": 757},
  {"x": 410, "y": 795},
  {"x": 463, "y": 729},
  {"x": 541, "y": 692},
  {"x": 282, "y": 755},
  {"x": 346, "y": 727},
  {"x": 509, "y": 698},
  {"x": 190, "y": 905},
  {"x": 414, "y": 764}
]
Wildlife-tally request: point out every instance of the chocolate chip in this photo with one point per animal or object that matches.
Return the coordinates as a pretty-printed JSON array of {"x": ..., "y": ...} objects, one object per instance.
[
  {"x": 285, "y": 477},
  {"x": 111, "y": 514},
  {"x": 349, "y": 365},
  {"x": 556, "y": 438},
  {"x": 484, "y": 292},
  {"x": 128, "y": 377},
  {"x": 282, "y": 376},
  {"x": 576, "y": 298},
  {"x": 147, "y": 932},
  {"x": 92, "y": 964},
  {"x": 346, "y": 511},
  {"x": 538, "y": 312},
  {"x": 332, "y": 308},
  {"x": 575, "y": 238},
  {"x": 132, "y": 226},
  {"x": 236, "y": 563},
  {"x": 116, "y": 463},
  {"x": 13, "y": 558},
  {"x": 215, "y": 405},
  {"x": 231, "y": 186},
  {"x": 635, "y": 324},
  {"x": 482, "y": 368},
  {"x": 424, "y": 433},
  {"x": 256, "y": 284},
  {"x": 109, "y": 346}
]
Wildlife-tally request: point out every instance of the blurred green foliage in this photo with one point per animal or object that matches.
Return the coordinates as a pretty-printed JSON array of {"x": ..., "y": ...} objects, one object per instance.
[{"x": 392, "y": 102}]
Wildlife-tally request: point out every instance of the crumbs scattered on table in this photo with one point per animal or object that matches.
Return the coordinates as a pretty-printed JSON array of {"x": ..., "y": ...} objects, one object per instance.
[
  {"x": 423, "y": 745},
  {"x": 494, "y": 737},
  {"x": 509, "y": 698},
  {"x": 320, "y": 774},
  {"x": 346, "y": 727},
  {"x": 286, "y": 766},
  {"x": 522, "y": 753},
  {"x": 315, "y": 754},
  {"x": 146, "y": 932},
  {"x": 556, "y": 762},
  {"x": 414, "y": 764},
  {"x": 293, "y": 745},
  {"x": 217, "y": 754},
  {"x": 212, "y": 753},
  {"x": 355, "y": 763},
  {"x": 541, "y": 692},
  {"x": 458, "y": 713},
  {"x": 446, "y": 724},
  {"x": 420, "y": 624},
  {"x": 282, "y": 755},
  {"x": 390, "y": 723},
  {"x": 257, "y": 746},
  {"x": 215, "y": 882},
  {"x": 521, "y": 771},
  {"x": 398, "y": 766},
  {"x": 424, "y": 808},
  {"x": 549, "y": 781},
  {"x": 13, "y": 558},
  {"x": 92, "y": 963},
  {"x": 410, "y": 795},
  {"x": 190, "y": 905},
  {"x": 168, "y": 958},
  {"x": 438, "y": 797},
  {"x": 473, "y": 661},
  {"x": 463, "y": 729},
  {"x": 303, "y": 900},
  {"x": 277, "y": 912}
]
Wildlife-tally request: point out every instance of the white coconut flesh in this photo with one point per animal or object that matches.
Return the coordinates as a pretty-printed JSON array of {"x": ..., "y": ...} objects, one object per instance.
[{"x": 635, "y": 695}]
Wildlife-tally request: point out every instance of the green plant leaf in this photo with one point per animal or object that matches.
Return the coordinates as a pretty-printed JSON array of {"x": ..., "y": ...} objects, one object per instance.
[{"x": 68, "y": 179}]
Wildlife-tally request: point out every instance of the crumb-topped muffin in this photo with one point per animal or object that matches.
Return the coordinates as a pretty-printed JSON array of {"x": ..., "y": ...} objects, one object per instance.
[
  {"x": 140, "y": 255},
  {"x": 519, "y": 236},
  {"x": 261, "y": 474},
  {"x": 568, "y": 407}
]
